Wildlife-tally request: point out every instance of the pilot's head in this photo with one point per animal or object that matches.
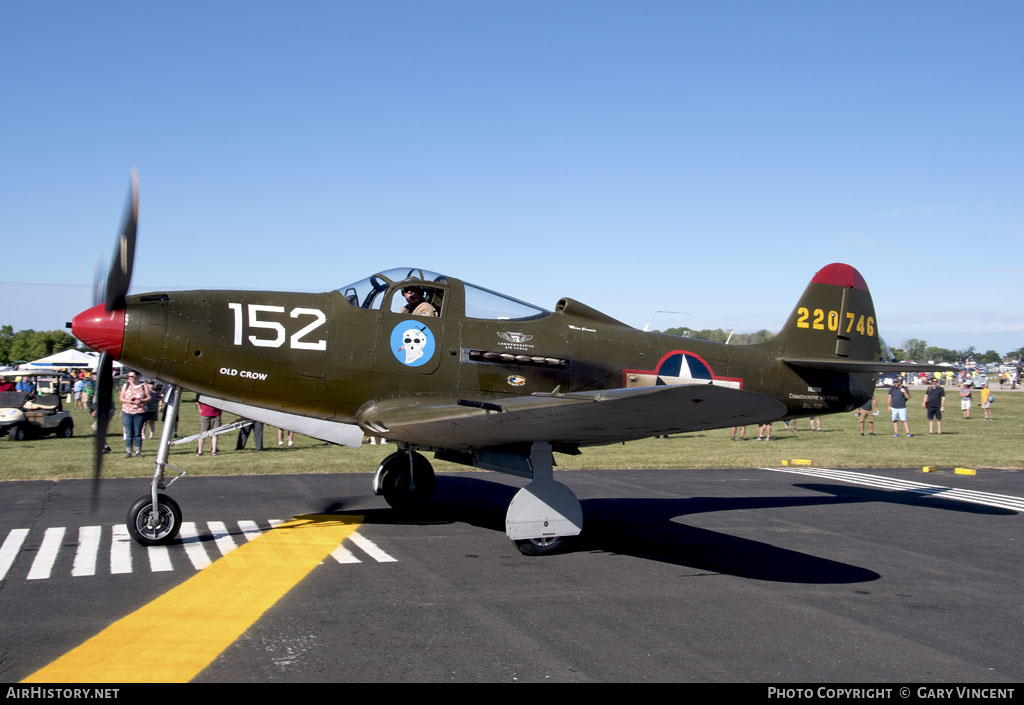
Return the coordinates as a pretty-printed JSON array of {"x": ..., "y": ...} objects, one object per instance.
[{"x": 413, "y": 294}]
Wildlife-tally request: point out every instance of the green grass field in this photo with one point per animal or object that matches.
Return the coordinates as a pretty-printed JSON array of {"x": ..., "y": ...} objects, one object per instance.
[{"x": 973, "y": 443}]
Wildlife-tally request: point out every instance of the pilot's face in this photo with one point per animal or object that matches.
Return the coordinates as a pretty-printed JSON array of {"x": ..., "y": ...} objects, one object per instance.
[{"x": 413, "y": 296}]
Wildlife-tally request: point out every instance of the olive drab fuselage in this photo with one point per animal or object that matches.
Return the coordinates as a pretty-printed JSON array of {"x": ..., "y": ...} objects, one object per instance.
[{"x": 326, "y": 356}]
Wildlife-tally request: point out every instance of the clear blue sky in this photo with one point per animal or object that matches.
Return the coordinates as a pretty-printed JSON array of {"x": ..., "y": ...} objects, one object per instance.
[{"x": 638, "y": 156}]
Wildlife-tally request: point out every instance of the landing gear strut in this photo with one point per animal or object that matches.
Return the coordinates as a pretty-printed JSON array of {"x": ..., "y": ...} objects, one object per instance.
[
  {"x": 155, "y": 518},
  {"x": 545, "y": 513},
  {"x": 406, "y": 480}
]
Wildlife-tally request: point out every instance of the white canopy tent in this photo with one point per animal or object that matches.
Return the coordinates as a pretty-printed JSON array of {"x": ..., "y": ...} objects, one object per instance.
[{"x": 70, "y": 359}]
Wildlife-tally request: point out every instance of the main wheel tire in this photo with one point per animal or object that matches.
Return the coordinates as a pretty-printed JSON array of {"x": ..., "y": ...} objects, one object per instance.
[
  {"x": 395, "y": 485},
  {"x": 541, "y": 547},
  {"x": 163, "y": 531},
  {"x": 16, "y": 433},
  {"x": 65, "y": 430}
]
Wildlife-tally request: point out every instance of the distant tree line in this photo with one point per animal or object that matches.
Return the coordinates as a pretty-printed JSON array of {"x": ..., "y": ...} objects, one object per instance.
[
  {"x": 717, "y": 335},
  {"x": 27, "y": 345},
  {"x": 921, "y": 351}
]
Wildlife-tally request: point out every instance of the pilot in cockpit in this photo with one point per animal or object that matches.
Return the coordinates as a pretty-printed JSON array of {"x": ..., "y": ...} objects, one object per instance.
[{"x": 415, "y": 302}]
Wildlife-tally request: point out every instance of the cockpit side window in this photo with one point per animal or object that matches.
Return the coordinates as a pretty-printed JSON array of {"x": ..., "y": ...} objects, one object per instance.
[
  {"x": 487, "y": 304},
  {"x": 417, "y": 299}
]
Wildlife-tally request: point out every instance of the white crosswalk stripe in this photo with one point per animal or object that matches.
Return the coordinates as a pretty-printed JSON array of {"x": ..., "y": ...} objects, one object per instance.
[
  {"x": 221, "y": 536},
  {"x": 47, "y": 554},
  {"x": 88, "y": 550},
  {"x": 120, "y": 550},
  {"x": 250, "y": 529},
  {"x": 371, "y": 549},
  {"x": 191, "y": 539},
  {"x": 10, "y": 548},
  {"x": 890, "y": 483},
  {"x": 197, "y": 546},
  {"x": 159, "y": 559}
]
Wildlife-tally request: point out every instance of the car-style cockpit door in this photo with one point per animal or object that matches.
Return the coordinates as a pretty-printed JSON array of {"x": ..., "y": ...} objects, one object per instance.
[{"x": 412, "y": 342}]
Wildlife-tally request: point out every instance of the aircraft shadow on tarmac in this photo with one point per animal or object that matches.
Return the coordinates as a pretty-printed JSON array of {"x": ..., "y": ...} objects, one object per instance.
[{"x": 652, "y": 528}]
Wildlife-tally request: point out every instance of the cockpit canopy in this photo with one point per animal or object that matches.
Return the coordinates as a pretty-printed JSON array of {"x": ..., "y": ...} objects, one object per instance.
[{"x": 371, "y": 292}]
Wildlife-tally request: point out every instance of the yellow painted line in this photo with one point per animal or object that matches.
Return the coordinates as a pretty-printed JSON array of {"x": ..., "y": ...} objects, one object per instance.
[{"x": 177, "y": 635}]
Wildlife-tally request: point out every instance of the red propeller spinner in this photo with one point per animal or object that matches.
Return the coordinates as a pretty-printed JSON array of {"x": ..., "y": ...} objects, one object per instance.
[{"x": 100, "y": 329}]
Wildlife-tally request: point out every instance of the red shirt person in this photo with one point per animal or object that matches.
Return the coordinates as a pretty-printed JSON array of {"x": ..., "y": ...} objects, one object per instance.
[{"x": 209, "y": 419}]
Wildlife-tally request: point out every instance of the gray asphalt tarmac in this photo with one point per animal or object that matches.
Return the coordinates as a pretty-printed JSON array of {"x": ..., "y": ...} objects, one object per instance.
[{"x": 688, "y": 575}]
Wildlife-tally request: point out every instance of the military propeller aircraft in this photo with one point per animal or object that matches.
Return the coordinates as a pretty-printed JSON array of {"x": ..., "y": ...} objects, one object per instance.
[{"x": 436, "y": 364}]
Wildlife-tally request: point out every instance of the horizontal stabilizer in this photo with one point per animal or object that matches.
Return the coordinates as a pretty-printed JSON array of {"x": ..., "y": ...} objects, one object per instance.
[
  {"x": 865, "y": 366},
  {"x": 331, "y": 431}
]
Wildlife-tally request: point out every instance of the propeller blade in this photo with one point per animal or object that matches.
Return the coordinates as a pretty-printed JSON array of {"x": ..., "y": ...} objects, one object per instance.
[
  {"x": 119, "y": 278},
  {"x": 99, "y": 283},
  {"x": 104, "y": 410}
]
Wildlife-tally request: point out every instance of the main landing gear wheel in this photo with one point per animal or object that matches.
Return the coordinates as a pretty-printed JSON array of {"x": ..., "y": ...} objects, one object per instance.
[
  {"x": 542, "y": 546},
  {"x": 402, "y": 489},
  {"x": 154, "y": 531}
]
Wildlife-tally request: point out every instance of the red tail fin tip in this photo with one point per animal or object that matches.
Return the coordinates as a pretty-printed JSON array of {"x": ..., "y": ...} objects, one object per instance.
[{"x": 840, "y": 275}]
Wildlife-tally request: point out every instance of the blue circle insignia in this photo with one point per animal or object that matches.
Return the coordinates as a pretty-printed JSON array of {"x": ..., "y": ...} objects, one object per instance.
[{"x": 412, "y": 343}]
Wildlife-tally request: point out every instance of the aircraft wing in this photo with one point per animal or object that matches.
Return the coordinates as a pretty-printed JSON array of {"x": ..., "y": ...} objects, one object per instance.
[
  {"x": 862, "y": 365},
  {"x": 332, "y": 431},
  {"x": 580, "y": 418}
]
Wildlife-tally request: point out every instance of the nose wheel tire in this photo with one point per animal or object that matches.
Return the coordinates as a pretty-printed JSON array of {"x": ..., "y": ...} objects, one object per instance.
[{"x": 150, "y": 530}]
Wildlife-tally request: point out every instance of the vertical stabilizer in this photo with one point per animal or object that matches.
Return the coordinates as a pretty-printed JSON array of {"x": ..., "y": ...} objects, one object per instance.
[{"x": 834, "y": 319}]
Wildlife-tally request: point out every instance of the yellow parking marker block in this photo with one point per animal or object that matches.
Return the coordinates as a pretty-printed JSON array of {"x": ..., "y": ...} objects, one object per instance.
[
  {"x": 928, "y": 468},
  {"x": 800, "y": 461},
  {"x": 785, "y": 463},
  {"x": 177, "y": 635},
  {"x": 965, "y": 471}
]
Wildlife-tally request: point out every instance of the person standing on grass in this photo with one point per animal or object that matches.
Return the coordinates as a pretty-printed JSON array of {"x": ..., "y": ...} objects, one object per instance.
[
  {"x": 134, "y": 397},
  {"x": 934, "y": 404},
  {"x": 965, "y": 399},
  {"x": 986, "y": 402},
  {"x": 897, "y": 403},
  {"x": 868, "y": 413},
  {"x": 209, "y": 419}
]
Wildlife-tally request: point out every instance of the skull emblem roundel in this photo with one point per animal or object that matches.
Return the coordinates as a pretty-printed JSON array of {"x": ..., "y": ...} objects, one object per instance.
[{"x": 412, "y": 343}]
